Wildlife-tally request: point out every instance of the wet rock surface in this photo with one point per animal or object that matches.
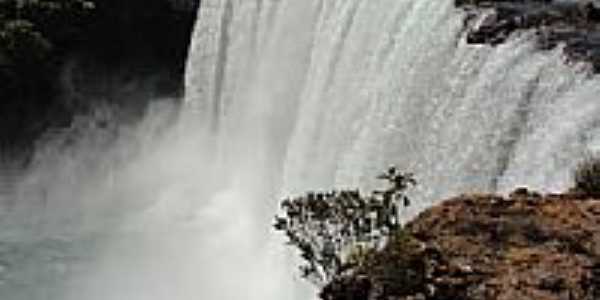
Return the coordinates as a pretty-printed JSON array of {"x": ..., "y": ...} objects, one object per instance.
[
  {"x": 573, "y": 25},
  {"x": 525, "y": 246}
]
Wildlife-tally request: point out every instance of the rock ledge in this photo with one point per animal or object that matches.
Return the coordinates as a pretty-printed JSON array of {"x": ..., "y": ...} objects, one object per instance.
[{"x": 488, "y": 247}]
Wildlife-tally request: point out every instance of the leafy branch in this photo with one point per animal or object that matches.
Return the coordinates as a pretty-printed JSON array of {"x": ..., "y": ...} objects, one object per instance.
[{"x": 330, "y": 228}]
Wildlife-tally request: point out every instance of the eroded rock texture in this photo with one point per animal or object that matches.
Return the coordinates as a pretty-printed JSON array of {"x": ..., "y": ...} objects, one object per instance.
[{"x": 486, "y": 247}]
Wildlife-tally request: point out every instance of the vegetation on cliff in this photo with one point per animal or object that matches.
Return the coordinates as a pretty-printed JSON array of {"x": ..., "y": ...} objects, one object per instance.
[
  {"x": 61, "y": 57},
  {"x": 477, "y": 247},
  {"x": 587, "y": 176},
  {"x": 339, "y": 233},
  {"x": 34, "y": 36}
]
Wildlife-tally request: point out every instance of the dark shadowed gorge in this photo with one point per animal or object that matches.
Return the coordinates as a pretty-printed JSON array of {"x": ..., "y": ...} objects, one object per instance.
[{"x": 110, "y": 53}]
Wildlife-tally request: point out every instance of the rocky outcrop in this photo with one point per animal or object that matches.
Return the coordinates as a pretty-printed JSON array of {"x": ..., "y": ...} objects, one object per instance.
[
  {"x": 574, "y": 24},
  {"x": 487, "y": 247}
]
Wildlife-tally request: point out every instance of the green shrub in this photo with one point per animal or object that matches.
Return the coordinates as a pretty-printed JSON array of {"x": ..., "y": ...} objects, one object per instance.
[
  {"x": 399, "y": 269},
  {"x": 335, "y": 231},
  {"x": 396, "y": 270},
  {"x": 587, "y": 176}
]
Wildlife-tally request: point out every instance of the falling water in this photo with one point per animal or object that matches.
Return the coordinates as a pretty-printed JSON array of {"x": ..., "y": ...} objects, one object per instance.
[{"x": 284, "y": 96}]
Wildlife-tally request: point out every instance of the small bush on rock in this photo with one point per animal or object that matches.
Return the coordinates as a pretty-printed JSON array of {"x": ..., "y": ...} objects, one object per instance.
[
  {"x": 399, "y": 268},
  {"x": 587, "y": 176},
  {"x": 396, "y": 270},
  {"x": 335, "y": 231}
]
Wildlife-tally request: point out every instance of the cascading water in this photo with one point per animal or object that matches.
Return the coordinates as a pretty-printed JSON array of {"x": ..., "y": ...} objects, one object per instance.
[
  {"x": 338, "y": 90},
  {"x": 284, "y": 96}
]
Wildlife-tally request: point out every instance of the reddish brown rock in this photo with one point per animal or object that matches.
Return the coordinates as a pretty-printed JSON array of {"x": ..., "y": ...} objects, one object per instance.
[
  {"x": 525, "y": 246},
  {"x": 487, "y": 247}
]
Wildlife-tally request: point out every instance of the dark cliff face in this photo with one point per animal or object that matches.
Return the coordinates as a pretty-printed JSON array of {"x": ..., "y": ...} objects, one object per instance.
[
  {"x": 124, "y": 55},
  {"x": 138, "y": 38}
]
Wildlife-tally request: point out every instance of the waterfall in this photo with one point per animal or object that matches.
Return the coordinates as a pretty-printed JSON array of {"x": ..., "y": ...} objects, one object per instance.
[
  {"x": 338, "y": 90},
  {"x": 285, "y": 96}
]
